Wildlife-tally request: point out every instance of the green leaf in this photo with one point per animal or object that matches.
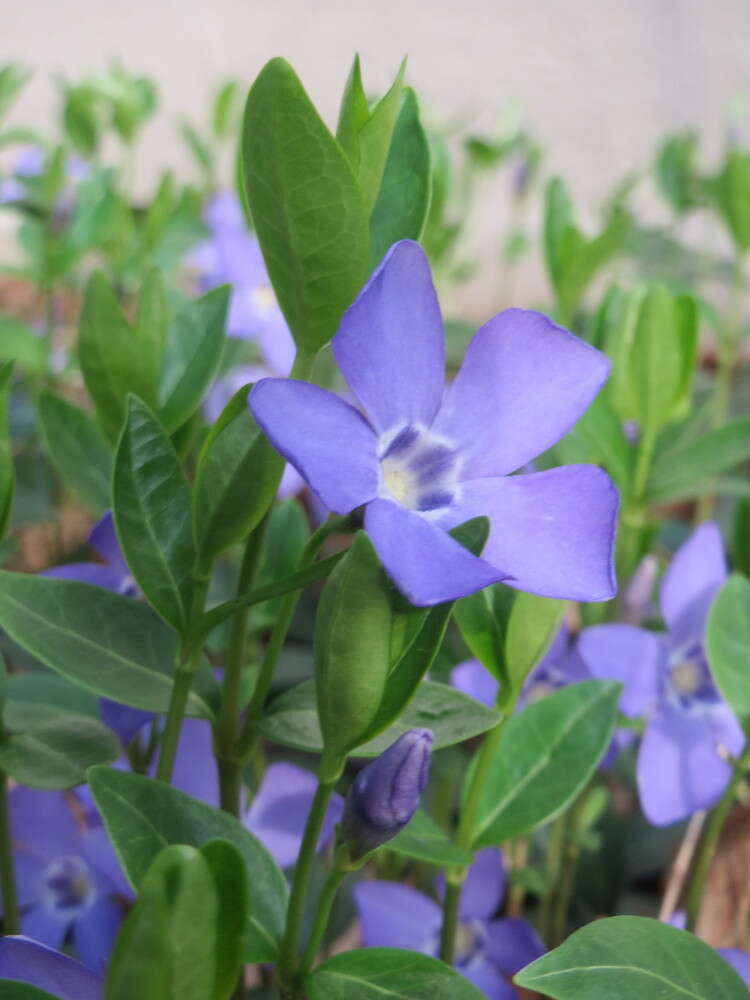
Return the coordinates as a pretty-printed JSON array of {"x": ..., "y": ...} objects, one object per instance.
[
  {"x": 144, "y": 816},
  {"x": 7, "y": 471},
  {"x": 56, "y": 753},
  {"x": 114, "y": 359},
  {"x": 379, "y": 973},
  {"x": 195, "y": 341},
  {"x": 78, "y": 450},
  {"x": 601, "y": 433},
  {"x": 237, "y": 478},
  {"x": 741, "y": 547},
  {"x": 11, "y": 989},
  {"x": 353, "y": 114},
  {"x": 307, "y": 208},
  {"x": 42, "y": 697},
  {"x": 222, "y": 113},
  {"x": 374, "y": 141},
  {"x": 292, "y": 719},
  {"x": 533, "y": 624},
  {"x": 152, "y": 510},
  {"x": 286, "y": 536},
  {"x": 351, "y": 647},
  {"x": 728, "y": 642},
  {"x": 482, "y": 620},
  {"x": 681, "y": 470},
  {"x": 732, "y": 192},
  {"x": 230, "y": 878},
  {"x": 403, "y": 200},
  {"x": 152, "y": 321},
  {"x": 546, "y": 754},
  {"x": 423, "y": 839},
  {"x": 632, "y": 958},
  {"x": 20, "y": 344},
  {"x": 112, "y": 645}
]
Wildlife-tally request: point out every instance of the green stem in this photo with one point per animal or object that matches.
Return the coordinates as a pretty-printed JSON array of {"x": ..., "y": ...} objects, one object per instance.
[
  {"x": 248, "y": 735},
  {"x": 555, "y": 852},
  {"x": 187, "y": 664},
  {"x": 11, "y": 914},
  {"x": 287, "y": 967},
  {"x": 710, "y": 840},
  {"x": 455, "y": 877},
  {"x": 635, "y": 511},
  {"x": 335, "y": 877},
  {"x": 228, "y": 728}
]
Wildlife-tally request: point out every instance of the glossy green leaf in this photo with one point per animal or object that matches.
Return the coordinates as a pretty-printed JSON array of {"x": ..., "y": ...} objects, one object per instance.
[
  {"x": 424, "y": 840},
  {"x": 237, "y": 478},
  {"x": 545, "y": 756},
  {"x": 41, "y": 696},
  {"x": 292, "y": 719},
  {"x": 403, "y": 200},
  {"x": 482, "y": 619},
  {"x": 152, "y": 510},
  {"x": 532, "y": 625},
  {"x": 56, "y": 753},
  {"x": 144, "y": 816},
  {"x": 683, "y": 469},
  {"x": 13, "y": 990},
  {"x": 308, "y": 210},
  {"x": 230, "y": 878},
  {"x": 286, "y": 536},
  {"x": 633, "y": 958},
  {"x": 7, "y": 472},
  {"x": 353, "y": 114},
  {"x": 728, "y": 642},
  {"x": 380, "y": 973},
  {"x": 194, "y": 345},
  {"x": 152, "y": 320},
  {"x": 114, "y": 359},
  {"x": 113, "y": 645},
  {"x": 78, "y": 450},
  {"x": 352, "y": 647}
]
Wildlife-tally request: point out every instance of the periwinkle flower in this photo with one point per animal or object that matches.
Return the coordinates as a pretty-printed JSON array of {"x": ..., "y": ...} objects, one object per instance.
[
  {"x": 488, "y": 950},
  {"x": 689, "y": 728},
  {"x": 27, "y": 961},
  {"x": 386, "y": 793},
  {"x": 232, "y": 256},
  {"x": 422, "y": 462},
  {"x": 68, "y": 877}
]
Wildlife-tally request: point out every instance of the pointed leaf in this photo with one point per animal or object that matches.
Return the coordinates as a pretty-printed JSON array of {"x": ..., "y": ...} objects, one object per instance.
[
  {"x": 380, "y": 973},
  {"x": 78, "y": 450}
]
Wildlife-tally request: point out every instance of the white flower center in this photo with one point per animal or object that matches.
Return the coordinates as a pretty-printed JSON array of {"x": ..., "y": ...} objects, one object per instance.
[
  {"x": 687, "y": 677},
  {"x": 419, "y": 469},
  {"x": 263, "y": 298},
  {"x": 67, "y": 885}
]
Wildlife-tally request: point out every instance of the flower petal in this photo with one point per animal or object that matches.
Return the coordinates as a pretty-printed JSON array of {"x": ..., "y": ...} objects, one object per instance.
[
  {"x": 426, "y": 564},
  {"x": 390, "y": 342},
  {"x": 512, "y": 943},
  {"x": 472, "y": 678},
  {"x": 696, "y": 572},
  {"x": 487, "y": 979},
  {"x": 679, "y": 769},
  {"x": 484, "y": 886},
  {"x": 329, "y": 443},
  {"x": 552, "y": 533},
  {"x": 93, "y": 573},
  {"x": 523, "y": 384},
  {"x": 279, "y": 812},
  {"x": 739, "y": 960},
  {"x": 30, "y": 962},
  {"x": 123, "y": 720},
  {"x": 95, "y": 931},
  {"x": 41, "y": 924},
  {"x": 42, "y": 823},
  {"x": 631, "y": 655},
  {"x": 396, "y": 916},
  {"x": 103, "y": 539}
]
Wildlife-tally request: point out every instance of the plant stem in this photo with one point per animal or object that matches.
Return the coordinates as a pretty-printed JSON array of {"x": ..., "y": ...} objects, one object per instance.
[
  {"x": 709, "y": 842},
  {"x": 455, "y": 877},
  {"x": 555, "y": 851},
  {"x": 11, "y": 914},
  {"x": 227, "y": 732},
  {"x": 248, "y": 734},
  {"x": 186, "y": 667},
  {"x": 287, "y": 967},
  {"x": 335, "y": 877}
]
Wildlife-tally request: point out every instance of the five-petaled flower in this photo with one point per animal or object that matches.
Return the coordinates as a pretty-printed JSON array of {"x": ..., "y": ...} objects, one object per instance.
[
  {"x": 422, "y": 462},
  {"x": 488, "y": 950},
  {"x": 666, "y": 677}
]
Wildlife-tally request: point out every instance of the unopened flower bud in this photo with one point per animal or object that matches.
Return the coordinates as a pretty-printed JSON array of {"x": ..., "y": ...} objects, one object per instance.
[{"x": 385, "y": 794}]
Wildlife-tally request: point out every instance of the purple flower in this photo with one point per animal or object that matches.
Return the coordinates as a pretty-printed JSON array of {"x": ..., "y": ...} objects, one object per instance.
[
  {"x": 278, "y": 813},
  {"x": 423, "y": 462},
  {"x": 68, "y": 877},
  {"x": 666, "y": 677},
  {"x": 739, "y": 960},
  {"x": 385, "y": 794},
  {"x": 29, "y": 962},
  {"x": 232, "y": 256},
  {"x": 396, "y": 916}
]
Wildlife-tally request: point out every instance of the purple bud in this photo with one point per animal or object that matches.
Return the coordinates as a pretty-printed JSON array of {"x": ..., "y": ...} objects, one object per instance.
[{"x": 385, "y": 795}]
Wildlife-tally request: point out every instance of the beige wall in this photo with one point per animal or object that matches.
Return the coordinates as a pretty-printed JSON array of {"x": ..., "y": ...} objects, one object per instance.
[{"x": 599, "y": 80}]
